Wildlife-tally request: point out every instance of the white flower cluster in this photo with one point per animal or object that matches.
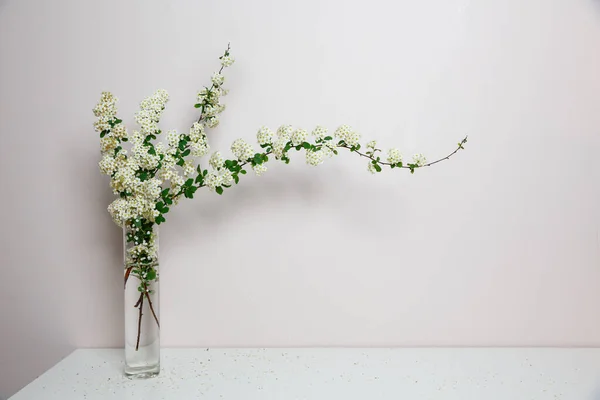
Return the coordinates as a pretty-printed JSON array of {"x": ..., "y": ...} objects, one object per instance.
[
  {"x": 227, "y": 60},
  {"x": 264, "y": 136},
  {"x": 106, "y": 111},
  {"x": 198, "y": 145},
  {"x": 150, "y": 112},
  {"x": 348, "y": 135},
  {"x": 419, "y": 159},
  {"x": 319, "y": 133},
  {"x": 218, "y": 175},
  {"x": 394, "y": 156},
  {"x": 259, "y": 169},
  {"x": 144, "y": 251},
  {"x": 242, "y": 150},
  {"x": 315, "y": 157},
  {"x": 299, "y": 136}
]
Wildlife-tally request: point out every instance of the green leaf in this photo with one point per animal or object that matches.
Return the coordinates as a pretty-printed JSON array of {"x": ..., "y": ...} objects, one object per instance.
[
  {"x": 189, "y": 182},
  {"x": 103, "y": 133},
  {"x": 198, "y": 105},
  {"x": 327, "y": 138},
  {"x": 182, "y": 145},
  {"x": 243, "y": 172},
  {"x": 137, "y": 222},
  {"x": 377, "y": 168},
  {"x": 151, "y": 275},
  {"x": 160, "y": 205},
  {"x": 118, "y": 121},
  {"x": 205, "y": 172},
  {"x": 265, "y": 158},
  {"x": 152, "y": 151},
  {"x": 180, "y": 162},
  {"x": 257, "y": 158},
  {"x": 306, "y": 145},
  {"x": 143, "y": 176},
  {"x": 335, "y": 152},
  {"x": 168, "y": 200},
  {"x": 165, "y": 192},
  {"x": 186, "y": 153},
  {"x": 227, "y": 186},
  {"x": 298, "y": 147},
  {"x": 399, "y": 165},
  {"x": 236, "y": 178},
  {"x": 124, "y": 139},
  {"x": 219, "y": 190},
  {"x": 199, "y": 179}
]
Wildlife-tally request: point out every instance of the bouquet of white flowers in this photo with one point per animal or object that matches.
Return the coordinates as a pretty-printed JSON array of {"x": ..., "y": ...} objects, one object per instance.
[{"x": 153, "y": 176}]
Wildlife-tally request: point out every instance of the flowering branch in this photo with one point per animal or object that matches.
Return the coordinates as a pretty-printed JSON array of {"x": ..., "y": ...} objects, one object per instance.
[{"x": 155, "y": 176}]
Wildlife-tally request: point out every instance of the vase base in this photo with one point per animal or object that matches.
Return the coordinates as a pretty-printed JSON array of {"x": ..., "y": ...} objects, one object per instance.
[{"x": 142, "y": 372}]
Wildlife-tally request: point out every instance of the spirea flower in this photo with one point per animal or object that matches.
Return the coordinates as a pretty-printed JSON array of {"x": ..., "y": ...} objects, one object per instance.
[
  {"x": 299, "y": 136},
  {"x": 371, "y": 145},
  {"x": 371, "y": 168},
  {"x": 242, "y": 150},
  {"x": 279, "y": 147},
  {"x": 217, "y": 79},
  {"x": 314, "y": 157},
  {"x": 285, "y": 131},
  {"x": 212, "y": 122},
  {"x": 319, "y": 133},
  {"x": 108, "y": 165},
  {"x": 419, "y": 159},
  {"x": 227, "y": 61},
  {"x": 394, "y": 156},
  {"x": 346, "y": 134},
  {"x": 216, "y": 160},
  {"x": 173, "y": 138},
  {"x": 259, "y": 169},
  {"x": 213, "y": 179},
  {"x": 264, "y": 136}
]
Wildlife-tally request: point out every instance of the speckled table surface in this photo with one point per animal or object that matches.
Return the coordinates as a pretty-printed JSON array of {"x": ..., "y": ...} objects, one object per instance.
[{"x": 346, "y": 374}]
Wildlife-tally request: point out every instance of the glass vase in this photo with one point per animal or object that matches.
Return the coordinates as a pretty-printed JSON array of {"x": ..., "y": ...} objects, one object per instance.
[{"x": 142, "y": 326}]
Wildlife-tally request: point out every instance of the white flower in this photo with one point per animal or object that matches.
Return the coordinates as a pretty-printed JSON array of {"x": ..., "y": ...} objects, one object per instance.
[
  {"x": 199, "y": 149},
  {"x": 151, "y": 109},
  {"x": 119, "y": 131},
  {"x": 212, "y": 180},
  {"x": 419, "y": 159},
  {"x": 329, "y": 147},
  {"x": 260, "y": 169},
  {"x": 107, "y": 164},
  {"x": 188, "y": 168},
  {"x": 371, "y": 145},
  {"x": 264, "y": 136},
  {"x": 394, "y": 156},
  {"x": 227, "y": 177},
  {"x": 106, "y": 107},
  {"x": 173, "y": 138},
  {"x": 371, "y": 168},
  {"x": 227, "y": 61},
  {"x": 346, "y": 134},
  {"x": 314, "y": 157},
  {"x": 108, "y": 143},
  {"x": 278, "y": 147},
  {"x": 216, "y": 160},
  {"x": 217, "y": 79},
  {"x": 212, "y": 122},
  {"x": 242, "y": 150},
  {"x": 284, "y": 131},
  {"x": 197, "y": 132},
  {"x": 299, "y": 136},
  {"x": 319, "y": 132}
]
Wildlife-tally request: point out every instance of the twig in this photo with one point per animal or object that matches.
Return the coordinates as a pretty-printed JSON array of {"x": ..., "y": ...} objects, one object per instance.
[
  {"x": 370, "y": 157},
  {"x": 141, "y": 302},
  {"x": 152, "y": 308},
  {"x": 127, "y": 272}
]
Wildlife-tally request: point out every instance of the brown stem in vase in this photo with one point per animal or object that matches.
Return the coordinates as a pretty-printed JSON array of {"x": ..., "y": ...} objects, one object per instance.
[
  {"x": 141, "y": 305},
  {"x": 147, "y": 293},
  {"x": 127, "y": 272}
]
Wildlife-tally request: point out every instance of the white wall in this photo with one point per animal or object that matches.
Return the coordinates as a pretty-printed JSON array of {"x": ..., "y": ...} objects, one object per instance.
[{"x": 499, "y": 246}]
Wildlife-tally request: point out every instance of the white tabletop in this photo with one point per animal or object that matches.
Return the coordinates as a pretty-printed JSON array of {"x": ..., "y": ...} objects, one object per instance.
[{"x": 330, "y": 374}]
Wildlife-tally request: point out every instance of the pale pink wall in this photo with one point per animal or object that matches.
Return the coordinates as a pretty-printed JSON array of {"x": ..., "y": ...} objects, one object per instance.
[{"x": 496, "y": 247}]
